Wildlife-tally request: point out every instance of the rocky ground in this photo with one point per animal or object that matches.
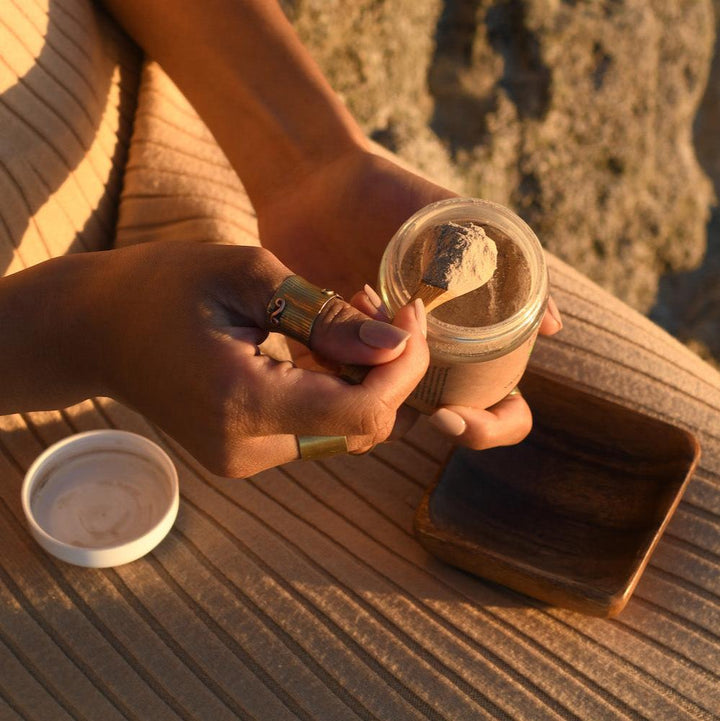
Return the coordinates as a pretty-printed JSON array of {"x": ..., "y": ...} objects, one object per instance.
[
  {"x": 688, "y": 304},
  {"x": 596, "y": 120}
]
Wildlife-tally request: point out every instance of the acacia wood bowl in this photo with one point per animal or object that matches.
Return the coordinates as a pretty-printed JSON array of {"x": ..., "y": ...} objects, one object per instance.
[{"x": 572, "y": 514}]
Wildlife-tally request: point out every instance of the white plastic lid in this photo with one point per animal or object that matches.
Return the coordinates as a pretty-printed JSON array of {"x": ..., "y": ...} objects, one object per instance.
[{"x": 101, "y": 498}]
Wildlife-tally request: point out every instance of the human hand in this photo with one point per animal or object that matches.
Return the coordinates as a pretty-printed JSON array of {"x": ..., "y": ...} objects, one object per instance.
[
  {"x": 334, "y": 227},
  {"x": 335, "y": 224},
  {"x": 327, "y": 205},
  {"x": 181, "y": 348}
]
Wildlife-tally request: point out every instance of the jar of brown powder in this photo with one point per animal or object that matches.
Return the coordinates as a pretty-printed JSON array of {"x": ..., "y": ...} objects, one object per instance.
[{"x": 479, "y": 342}]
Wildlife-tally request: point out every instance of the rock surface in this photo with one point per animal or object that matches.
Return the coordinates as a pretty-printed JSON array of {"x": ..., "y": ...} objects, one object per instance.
[
  {"x": 578, "y": 114},
  {"x": 688, "y": 304}
]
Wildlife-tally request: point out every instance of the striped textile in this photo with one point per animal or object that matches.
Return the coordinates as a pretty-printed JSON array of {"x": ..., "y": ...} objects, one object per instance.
[
  {"x": 301, "y": 593},
  {"x": 178, "y": 183},
  {"x": 68, "y": 82}
]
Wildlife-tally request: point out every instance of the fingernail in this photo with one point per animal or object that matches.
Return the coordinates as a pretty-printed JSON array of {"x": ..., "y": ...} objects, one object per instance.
[
  {"x": 554, "y": 312},
  {"x": 448, "y": 422},
  {"x": 377, "y": 334},
  {"x": 374, "y": 298},
  {"x": 421, "y": 316}
]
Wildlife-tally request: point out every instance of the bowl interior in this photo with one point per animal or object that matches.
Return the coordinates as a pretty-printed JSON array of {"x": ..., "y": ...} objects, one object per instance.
[
  {"x": 101, "y": 498},
  {"x": 573, "y": 512}
]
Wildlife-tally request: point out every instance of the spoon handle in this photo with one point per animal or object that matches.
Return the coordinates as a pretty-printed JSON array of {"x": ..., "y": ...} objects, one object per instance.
[{"x": 431, "y": 295}]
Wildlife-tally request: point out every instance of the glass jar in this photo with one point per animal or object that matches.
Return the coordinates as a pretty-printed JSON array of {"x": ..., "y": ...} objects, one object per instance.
[{"x": 479, "y": 343}]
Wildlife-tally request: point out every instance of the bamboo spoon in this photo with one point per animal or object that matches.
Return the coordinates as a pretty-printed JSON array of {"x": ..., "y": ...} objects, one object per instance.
[{"x": 456, "y": 260}]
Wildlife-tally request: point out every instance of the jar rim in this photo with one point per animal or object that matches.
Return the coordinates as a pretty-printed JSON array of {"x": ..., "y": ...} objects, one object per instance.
[{"x": 458, "y": 340}]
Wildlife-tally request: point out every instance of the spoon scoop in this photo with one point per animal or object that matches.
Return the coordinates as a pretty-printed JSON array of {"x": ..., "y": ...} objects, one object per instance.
[{"x": 457, "y": 259}]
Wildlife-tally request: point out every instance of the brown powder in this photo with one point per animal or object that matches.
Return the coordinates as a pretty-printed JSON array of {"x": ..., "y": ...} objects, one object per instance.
[
  {"x": 458, "y": 258},
  {"x": 499, "y": 298}
]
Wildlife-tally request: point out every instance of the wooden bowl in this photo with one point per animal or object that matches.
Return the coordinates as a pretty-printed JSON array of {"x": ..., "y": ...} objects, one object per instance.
[{"x": 572, "y": 514}]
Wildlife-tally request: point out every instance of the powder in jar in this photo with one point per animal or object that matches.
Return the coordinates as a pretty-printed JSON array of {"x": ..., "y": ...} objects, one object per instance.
[
  {"x": 479, "y": 342},
  {"x": 458, "y": 258},
  {"x": 498, "y": 260}
]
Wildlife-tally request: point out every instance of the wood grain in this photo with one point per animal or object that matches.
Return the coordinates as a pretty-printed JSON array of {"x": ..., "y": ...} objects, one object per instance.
[{"x": 572, "y": 514}]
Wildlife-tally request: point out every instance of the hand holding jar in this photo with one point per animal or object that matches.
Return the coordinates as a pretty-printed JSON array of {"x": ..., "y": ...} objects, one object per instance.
[{"x": 480, "y": 342}]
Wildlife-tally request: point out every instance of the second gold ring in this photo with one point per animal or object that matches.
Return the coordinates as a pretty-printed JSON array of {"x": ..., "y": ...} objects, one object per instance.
[{"x": 311, "y": 448}]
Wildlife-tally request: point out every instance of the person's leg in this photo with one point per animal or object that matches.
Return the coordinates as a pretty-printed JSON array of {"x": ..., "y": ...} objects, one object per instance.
[
  {"x": 67, "y": 93},
  {"x": 178, "y": 183},
  {"x": 614, "y": 351}
]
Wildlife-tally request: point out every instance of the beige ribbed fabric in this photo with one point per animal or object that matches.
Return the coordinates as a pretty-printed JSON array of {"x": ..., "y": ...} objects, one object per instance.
[
  {"x": 302, "y": 593},
  {"x": 68, "y": 83},
  {"x": 178, "y": 183}
]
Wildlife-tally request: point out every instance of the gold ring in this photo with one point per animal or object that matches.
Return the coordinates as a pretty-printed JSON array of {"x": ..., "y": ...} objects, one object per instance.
[
  {"x": 313, "y": 447},
  {"x": 295, "y": 306},
  {"x": 514, "y": 392}
]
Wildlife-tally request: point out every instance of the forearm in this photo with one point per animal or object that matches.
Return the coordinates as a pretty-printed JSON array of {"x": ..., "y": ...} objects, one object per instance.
[
  {"x": 46, "y": 356},
  {"x": 241, "y": 65}
]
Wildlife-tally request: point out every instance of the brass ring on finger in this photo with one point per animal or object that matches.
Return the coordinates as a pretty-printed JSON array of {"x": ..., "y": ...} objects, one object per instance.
[
  {"x": 311, "y": 448},
  {"x": 295, "y": 306}
]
